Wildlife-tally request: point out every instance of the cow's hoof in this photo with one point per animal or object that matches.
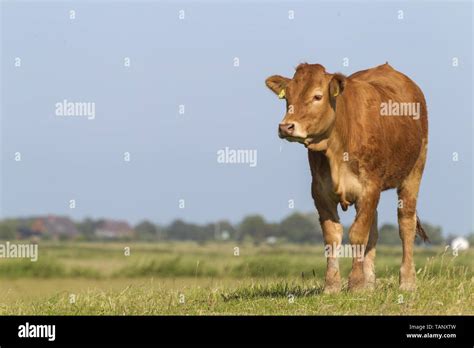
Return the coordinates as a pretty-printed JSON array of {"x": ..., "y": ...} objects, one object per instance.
[
  {"x": 357, "y": 288},
  {"x": 408, "y": 286},
  {"x": 370, "y": 286},
  {"x": 356, "y": 281},
  {"x": 356, "y": 284},
  {"x": 332, "y": 289}
]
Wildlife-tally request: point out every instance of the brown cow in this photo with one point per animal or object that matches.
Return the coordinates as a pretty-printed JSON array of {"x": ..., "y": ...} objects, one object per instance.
[{"x": 365, "y": 133}]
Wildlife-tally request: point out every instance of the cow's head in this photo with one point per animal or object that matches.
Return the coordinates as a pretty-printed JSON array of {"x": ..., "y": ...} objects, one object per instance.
[{"x": 310, "y": 102}]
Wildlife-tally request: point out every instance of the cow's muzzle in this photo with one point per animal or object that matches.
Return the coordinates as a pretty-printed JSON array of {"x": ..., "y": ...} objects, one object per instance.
[{"x": 286, "y": 130}]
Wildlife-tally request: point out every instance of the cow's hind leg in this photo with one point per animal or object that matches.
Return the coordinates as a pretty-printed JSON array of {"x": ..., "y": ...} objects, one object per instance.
[
  {"x": 407, "y": 197},
  {"x": 369, "y": 260}
]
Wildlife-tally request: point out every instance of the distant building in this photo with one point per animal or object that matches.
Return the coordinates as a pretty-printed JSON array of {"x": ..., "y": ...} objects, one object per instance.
[
  {"x": 24, "y": 232},
  {"x": 114, "y": 229},
  {"x": 460, "y": 243},
  {"x": 23, "y": 229},
  {"x": 54, "y": 226},
  {"x": 271, "y": 240}
]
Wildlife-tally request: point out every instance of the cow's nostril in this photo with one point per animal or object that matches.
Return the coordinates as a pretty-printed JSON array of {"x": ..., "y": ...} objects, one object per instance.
[{"x": 287, "y": 129}]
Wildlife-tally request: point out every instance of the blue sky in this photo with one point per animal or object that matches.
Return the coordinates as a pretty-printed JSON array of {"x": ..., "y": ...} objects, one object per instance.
[{"x": 191, "y": 62}]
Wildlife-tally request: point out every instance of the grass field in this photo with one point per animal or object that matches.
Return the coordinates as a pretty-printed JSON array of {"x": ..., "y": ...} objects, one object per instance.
[{"x": 186, "y": 278}]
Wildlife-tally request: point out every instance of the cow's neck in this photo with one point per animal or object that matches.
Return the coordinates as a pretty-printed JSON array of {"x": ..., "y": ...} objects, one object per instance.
[
  {"x": 333, "y": 143},
  {"x": 335, "y": 148}
]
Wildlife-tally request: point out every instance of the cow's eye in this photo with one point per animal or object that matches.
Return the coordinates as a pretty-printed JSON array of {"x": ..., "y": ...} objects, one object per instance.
[{"x": 318, "y": 97}]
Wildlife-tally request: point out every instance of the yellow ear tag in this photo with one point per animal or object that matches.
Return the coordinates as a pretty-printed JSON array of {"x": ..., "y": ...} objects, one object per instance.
[
  {"x": 336, "y": 93},
  {"x": 282, "y": 94}
]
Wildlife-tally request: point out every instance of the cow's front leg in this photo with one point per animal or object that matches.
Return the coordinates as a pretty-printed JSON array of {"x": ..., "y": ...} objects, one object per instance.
[
  {"x": 359, "y": 236},
  {"x": 332, "y": 233},
  {"x": 326, "y": 204}
]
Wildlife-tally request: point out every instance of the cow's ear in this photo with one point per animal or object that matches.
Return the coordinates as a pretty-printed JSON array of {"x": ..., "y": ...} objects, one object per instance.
[
  {"x": 277, "y": 84},
  {"x": 337, "y": 84}
]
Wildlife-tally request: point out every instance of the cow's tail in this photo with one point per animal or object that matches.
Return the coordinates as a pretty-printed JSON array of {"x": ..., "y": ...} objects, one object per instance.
[{"x": 420, "y": 230}]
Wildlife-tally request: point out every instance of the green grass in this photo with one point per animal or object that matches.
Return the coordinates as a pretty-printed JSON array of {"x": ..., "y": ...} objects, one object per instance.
[{"x": 186, "y": 278}]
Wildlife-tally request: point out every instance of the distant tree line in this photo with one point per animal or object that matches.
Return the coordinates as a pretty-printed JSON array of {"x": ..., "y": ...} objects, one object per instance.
[{"x": 295, "y": 228}]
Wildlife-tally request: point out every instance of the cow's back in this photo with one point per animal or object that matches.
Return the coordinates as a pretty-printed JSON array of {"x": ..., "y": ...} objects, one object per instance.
[{"x": 394, "y": 85}]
